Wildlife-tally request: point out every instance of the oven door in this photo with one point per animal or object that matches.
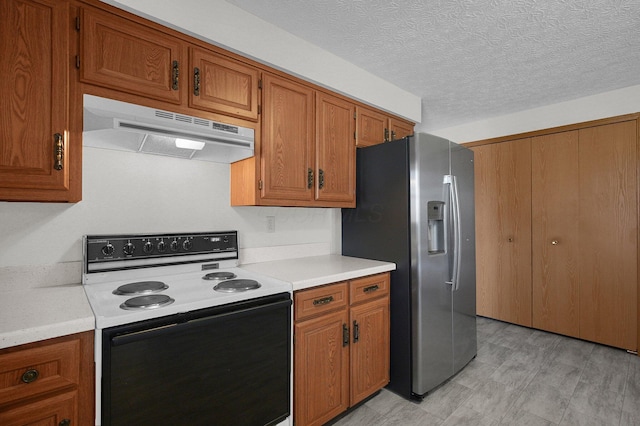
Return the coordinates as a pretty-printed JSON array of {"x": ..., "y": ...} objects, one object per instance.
[{"x": 227, "y": 365}]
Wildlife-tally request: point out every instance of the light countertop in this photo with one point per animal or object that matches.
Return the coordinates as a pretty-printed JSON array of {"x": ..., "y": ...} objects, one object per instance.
[
  {"x": 42, "y": 313},
  {"x": 32, "y": 313},
  {"x": 313, "y": 271}
]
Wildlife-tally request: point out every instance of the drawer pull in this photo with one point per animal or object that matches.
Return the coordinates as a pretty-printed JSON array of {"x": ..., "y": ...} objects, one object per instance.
[
  {"x": 323, "y": 301},
  {"x": 65, "y": 422},
  {"x": 371, "y": 288},
  {"x": 30, "y": 376}
]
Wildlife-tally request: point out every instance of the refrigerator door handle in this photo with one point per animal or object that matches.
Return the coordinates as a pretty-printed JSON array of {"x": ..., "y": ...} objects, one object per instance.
[{"x": 455, "y": 224}]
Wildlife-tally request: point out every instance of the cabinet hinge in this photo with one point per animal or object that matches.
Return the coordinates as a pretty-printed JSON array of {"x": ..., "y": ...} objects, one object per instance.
[
  {"x": 260, "y": 84},
  {"x": 259, "y": 109},
  {"x": 78, "y": 61},
  {"x": 260, "y": 184},
  {"x": 77, "y": 23}
]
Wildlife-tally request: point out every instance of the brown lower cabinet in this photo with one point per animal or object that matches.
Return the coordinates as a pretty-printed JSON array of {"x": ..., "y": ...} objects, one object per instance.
[
  {"x": 341, "y": 346},
  {"x": 48, "y": 383}
]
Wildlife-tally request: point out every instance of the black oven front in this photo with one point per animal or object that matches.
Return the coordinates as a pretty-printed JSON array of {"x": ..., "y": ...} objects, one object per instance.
[{"x": 224, "y": 365}]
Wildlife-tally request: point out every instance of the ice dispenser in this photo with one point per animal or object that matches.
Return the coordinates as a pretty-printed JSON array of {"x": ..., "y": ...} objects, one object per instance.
[{"x": 435, "y": 229}]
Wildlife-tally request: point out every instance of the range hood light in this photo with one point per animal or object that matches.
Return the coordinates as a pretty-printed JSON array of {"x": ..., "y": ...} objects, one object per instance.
[{"x": 189, "y": 144}]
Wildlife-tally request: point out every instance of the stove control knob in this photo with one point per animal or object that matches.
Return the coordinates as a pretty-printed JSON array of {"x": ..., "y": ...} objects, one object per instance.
[
  {"x": 108, "y": 249},
  {"x": 162, "y": 246},
  {"x": 187, "y": 244},
  {"x": 174, "y": 245},
  {"x": 128, "y": 248},
  {"x": 147, "y": 247}
]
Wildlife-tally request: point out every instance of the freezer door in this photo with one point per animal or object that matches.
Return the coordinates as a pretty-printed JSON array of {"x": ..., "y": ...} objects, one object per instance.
[
  {"x": 464, "y": 294},
  {"x": 432, "y": 349}
]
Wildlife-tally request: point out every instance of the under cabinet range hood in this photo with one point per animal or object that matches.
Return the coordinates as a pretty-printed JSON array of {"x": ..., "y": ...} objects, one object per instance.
[{"x": 122, "y": 126}]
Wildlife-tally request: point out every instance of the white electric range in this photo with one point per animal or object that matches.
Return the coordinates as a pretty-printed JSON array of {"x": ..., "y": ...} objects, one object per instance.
[{"x": 179, "y": 303}]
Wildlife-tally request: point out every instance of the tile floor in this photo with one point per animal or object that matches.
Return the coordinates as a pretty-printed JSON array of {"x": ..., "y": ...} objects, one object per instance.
[{"x": 522, "y": 377}]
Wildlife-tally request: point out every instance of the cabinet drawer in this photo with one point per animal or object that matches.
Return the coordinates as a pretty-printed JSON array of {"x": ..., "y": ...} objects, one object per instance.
[
  {"x": 314, "y": 301},
  {"x": 367, "y": 288},
  {"x": 48, "y": 411},
  {"x": 39, "y": 370}
]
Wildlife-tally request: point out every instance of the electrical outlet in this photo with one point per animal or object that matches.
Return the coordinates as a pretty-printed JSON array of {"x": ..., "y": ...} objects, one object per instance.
[{"x": 271, "y": 224}]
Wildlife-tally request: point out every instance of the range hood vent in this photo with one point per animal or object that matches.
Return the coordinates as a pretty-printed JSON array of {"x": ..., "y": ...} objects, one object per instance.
[{"x": 122, "y": 126}]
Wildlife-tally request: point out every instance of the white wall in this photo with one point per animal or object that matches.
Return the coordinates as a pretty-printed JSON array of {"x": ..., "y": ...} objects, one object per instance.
[
  {"x": 136, "y": 193},
  {"x": 228, "y": 26},
  {"x": 603, "y": 105}
]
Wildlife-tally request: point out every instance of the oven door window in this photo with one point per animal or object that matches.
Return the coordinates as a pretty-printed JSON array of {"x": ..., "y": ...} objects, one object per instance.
[{"x": 220, "y": 366}]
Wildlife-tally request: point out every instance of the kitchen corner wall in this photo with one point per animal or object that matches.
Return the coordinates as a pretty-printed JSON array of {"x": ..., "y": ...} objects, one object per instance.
[
  {"x": 603, "y": 105},
  {"x": 137, "y": 193}
]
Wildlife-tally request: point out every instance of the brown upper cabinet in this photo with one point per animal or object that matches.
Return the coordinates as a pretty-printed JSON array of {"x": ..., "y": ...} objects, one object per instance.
[
  {"x": 374, "y": 127},
  {"x": 222, "y": 85},
  {"x": 41, "y": 153},
  {"x": 55, "y": 51},
  {"x": 335, "y": 150},
  {"x": 286, "y": 154},
  {"x": 120, "y": 54},
  {"x": 307, "y": 152}
]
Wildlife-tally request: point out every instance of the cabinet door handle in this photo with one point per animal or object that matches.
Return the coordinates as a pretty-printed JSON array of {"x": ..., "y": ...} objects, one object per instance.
[
  {"x": 30, "y": 375},
  {"x": 370, "y": 288},
  {"x": 320, "y": 179},
  {"x": 554, "y": 242},
  {"x": 386, "y": 135},
  {"x": 345, "y": 335},
  {"x": 323, "y": 301},
  {"x": 393, "y": 135},
  {"x": 65, "y": 422},
  {"x": 356, "y": 331},
  {"x": 58, "y": 151},
  {"x": 196, "y": 81},
  {"x": 174, "y": 75},
  {"x": 309, "y": 178}
]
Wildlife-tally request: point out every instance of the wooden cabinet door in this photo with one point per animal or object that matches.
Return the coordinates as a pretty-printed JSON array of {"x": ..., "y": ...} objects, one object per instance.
[
  {"x": 222, "y": 85},
  {"x": 321, "y": 369},
  {"x": 335, "y": 151},
  {"x": 287, "y": 141},
  {"x": 370, "y": 127},
  {"x": 46, "y": 412},
  {"x": 130, "y": 57},
  {"x": 608, "y": 234},
  {"x": 503, "y": 231},
  {"x": 399, "y": 129},
  {"x": 555, "y": 235},
  {"x": 369, "y": 348},
  {"x": 34, "y": 101}
]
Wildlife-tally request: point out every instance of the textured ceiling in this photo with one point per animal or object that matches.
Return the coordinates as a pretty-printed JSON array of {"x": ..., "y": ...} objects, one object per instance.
[{"x": 473, "y": 59}]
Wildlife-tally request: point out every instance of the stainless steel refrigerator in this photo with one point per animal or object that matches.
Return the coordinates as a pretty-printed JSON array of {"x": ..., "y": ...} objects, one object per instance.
[{"x": 414, "y": 207}]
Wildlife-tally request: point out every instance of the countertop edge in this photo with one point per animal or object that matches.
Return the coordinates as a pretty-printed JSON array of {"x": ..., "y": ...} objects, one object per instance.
[
  {"x": 49, "y": 331},
  {"x": 345, "y": 276}
]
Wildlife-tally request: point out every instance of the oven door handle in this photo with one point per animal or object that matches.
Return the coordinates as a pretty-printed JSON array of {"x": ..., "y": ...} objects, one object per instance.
[{"x": 173, "y": 326}]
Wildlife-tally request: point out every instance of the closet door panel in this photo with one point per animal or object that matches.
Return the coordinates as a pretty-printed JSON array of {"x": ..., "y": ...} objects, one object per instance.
[
  {"x": 555, "y": 238},
  {"x": 609, "y": 234}
]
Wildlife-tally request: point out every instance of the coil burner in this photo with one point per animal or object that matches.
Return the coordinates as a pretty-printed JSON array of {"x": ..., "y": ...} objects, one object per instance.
[
  {"x": 152, "y": 301},
  {"x": 235, "y": 286},
  {"x": 219, "y": 276}
]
